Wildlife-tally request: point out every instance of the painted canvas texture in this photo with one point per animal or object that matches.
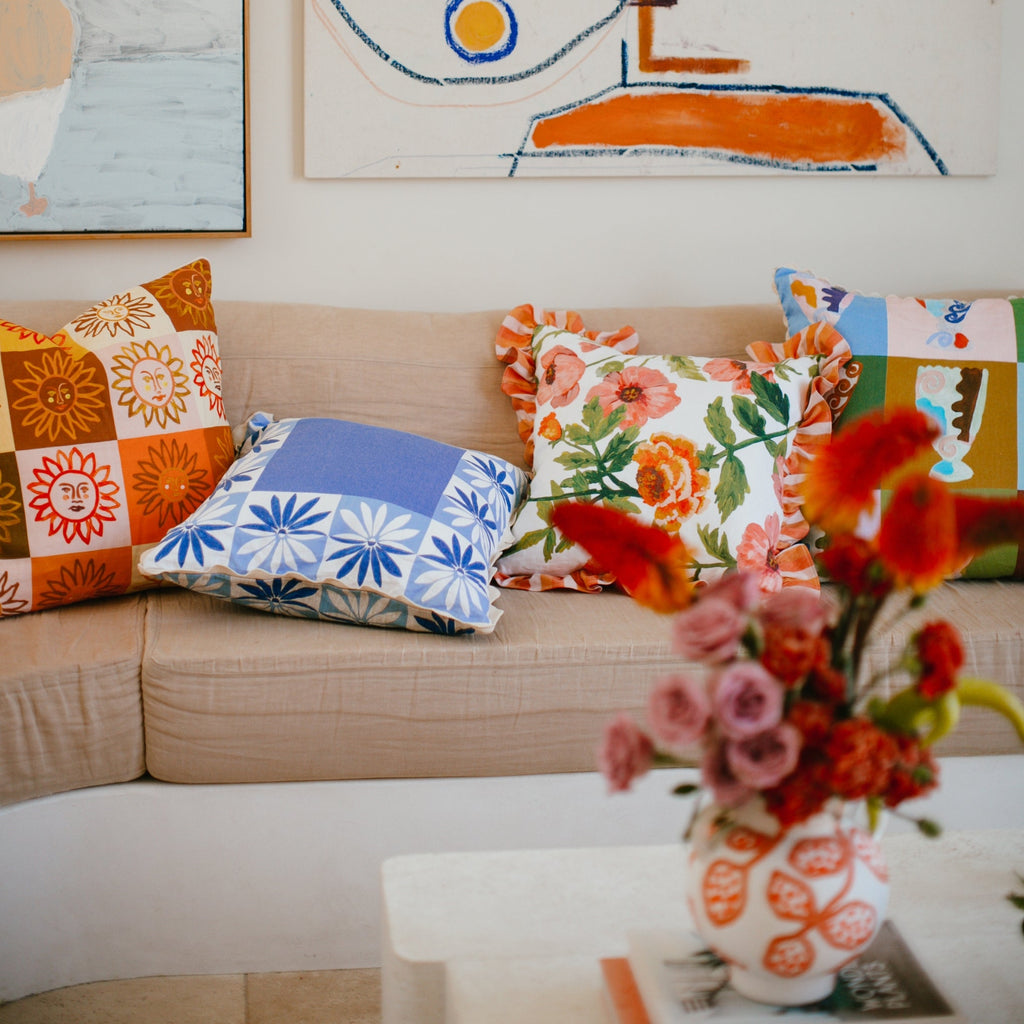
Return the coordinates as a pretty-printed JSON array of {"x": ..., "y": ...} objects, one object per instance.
[
  {"x": 406, "y": 88},
  {"x": 122, "y": 118}
]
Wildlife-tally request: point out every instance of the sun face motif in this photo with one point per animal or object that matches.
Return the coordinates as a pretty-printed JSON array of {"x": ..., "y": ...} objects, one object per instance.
[
  {"x": 151, "y": 382},
  {"x": 206, "y": 370},
  {"x": 122, "y": 313},
  {"x": 10, "y": 509},
  {"x": 81, "y": 581},
  {"x": 74, "y": 495},
  {"x": 185, "y": 294},
  {"x": 169, "y": 484},
  {"x": 59, "y": 398}
]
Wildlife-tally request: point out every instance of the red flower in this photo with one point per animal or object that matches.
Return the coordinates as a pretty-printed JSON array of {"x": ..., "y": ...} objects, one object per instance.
[
  {"x": 860, "y": 758},
  {"x": 915, "y": 773},
  {"x": 941, "y": 654},
  {"x": 652, "y": 565},
  {"x": 917, "y": 541},
  {"x": 802, "y": 793},
  {"x": 853, "y": 562},
  {"x": 841, "y": 480}
]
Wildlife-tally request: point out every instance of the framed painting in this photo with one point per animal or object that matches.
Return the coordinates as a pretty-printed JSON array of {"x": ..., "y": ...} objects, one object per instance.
[
  {"x": 423, "y": 88},
  {"x": 122, "y": 119}
]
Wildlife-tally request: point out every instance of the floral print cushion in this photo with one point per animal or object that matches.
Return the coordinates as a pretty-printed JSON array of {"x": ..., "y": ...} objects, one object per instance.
[
  {"x": 111, "y": 432},
  {"x": 958, "y": 361},
  {"x": 327, "y": 519},
  {"x": 706, "y": 448}
]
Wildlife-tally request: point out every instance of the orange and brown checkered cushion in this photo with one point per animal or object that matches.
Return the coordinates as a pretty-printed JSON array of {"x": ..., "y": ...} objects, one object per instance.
[{"x": 111, "y": 432}]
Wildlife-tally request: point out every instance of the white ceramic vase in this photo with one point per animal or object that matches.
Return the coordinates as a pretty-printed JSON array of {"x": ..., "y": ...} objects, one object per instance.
[{"x": 785, "y": 908}]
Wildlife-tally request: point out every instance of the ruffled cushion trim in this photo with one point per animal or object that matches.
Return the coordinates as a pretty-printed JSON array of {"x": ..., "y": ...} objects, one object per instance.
[
  {"x": 514, "y": 347},
  {"x": 829, "y": 392}
]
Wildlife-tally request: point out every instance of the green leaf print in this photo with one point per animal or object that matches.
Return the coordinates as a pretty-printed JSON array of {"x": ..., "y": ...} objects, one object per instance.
[
  {"x": 719, "y": 425},
  {"x": 770, "y": 397},
  {"x": 748, "y": 416},
  {"x": 732, "y": 486}
]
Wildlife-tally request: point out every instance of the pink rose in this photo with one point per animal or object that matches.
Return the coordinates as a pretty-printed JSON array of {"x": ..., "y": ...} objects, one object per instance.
[
  {"x": 678, "y": 710},
  {"x": 741, "y": 589},
  {"x": 764, "y": 760},
  {"x": 718, "y": 776},
  {"x": 626, "y": 754},
  {"x": 795, "y": 608},
  {"x": 746, "y": 699},
  {"x": 709, "y": 631}
]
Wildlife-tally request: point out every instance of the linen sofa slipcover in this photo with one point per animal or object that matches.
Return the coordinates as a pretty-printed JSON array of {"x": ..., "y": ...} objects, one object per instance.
[{"x": 193, "y": 690}]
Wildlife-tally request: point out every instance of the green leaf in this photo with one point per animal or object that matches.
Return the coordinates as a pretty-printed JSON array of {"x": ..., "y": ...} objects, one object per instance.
[
  {"x": 598, "y": 425},
  {"x": 748, "y": 416},
  {"x": 619, "y": 453},
  {"x": 576, "y": 459},
  {"x": 612, "y": 366},
  {"x": 929, "y": 828},
  {"x": 709, "y": 457},
  {"x": 716, "y": 544},
  {"x": 718, "y": 423},
  {"x": 621, "y": 502},
  {"x": 685, "y": 367},
  {"x": 732, "y": 487},
  {"x": 770, "y": 397},
  {"x": 528, "y": 540},
  {"x": 685, "y": 789}
]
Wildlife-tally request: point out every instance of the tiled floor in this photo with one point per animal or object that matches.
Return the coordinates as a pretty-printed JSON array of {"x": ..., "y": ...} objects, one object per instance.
[{"x": 309, "y": 997}]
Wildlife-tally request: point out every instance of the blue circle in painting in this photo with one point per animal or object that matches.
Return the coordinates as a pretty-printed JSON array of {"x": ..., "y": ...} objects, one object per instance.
[{"x": 502, "y": 48}]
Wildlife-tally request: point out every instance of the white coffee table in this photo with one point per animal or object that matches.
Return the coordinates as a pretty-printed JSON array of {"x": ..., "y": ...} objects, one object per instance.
[{"x": 490, "y": 938}]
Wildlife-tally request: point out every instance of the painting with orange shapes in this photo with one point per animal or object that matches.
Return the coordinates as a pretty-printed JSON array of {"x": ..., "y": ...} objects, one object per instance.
[{"x": 513, "y": 88}]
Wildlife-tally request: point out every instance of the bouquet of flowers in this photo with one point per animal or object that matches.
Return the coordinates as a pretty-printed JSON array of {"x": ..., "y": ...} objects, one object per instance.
[{"x": 782, "y": 706}]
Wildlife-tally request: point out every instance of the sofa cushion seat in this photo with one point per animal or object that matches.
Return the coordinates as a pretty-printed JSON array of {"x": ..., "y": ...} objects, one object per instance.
[
  {"x": 229, "y": 699},
  {"x": 70, "y": 707}
]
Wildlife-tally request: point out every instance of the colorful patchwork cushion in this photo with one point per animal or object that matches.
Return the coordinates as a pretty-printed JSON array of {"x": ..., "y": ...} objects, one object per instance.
[
  {"x": 961, "y": 362},
  {"x": 111, "y": 432},
  {"x": 706, "y": 448},
  {"x": 327, "y": 519}
]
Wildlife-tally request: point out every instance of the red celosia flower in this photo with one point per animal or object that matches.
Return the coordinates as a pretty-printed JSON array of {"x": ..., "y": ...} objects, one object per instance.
[
  {"x": 841, "y": 480},
  {"x": 814, "y": 720},
  {"x": 853, "y": 562},
  {"x": 802, "y": 793},
  {"x": 917, "y": 541},
  {"x": 827, "y": 684},
  {"x": 915, "y": 773},
  {"x": 941, "y": 654},
  {"x": 860, "y": 758},
  {"x": 791, "y": 652},
  {"x": 652, "y": 565},
  {"x": 983, "y": 523}
]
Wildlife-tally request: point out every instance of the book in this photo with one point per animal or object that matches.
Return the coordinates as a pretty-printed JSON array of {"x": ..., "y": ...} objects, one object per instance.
[{"x": 675, "y": 980}]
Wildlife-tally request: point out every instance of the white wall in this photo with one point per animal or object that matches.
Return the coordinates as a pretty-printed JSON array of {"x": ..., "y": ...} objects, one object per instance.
[{"x": 466, "y": 244}]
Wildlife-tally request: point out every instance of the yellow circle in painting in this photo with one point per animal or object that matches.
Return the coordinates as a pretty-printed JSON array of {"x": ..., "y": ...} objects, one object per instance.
[{"x": 480, "y": 26}]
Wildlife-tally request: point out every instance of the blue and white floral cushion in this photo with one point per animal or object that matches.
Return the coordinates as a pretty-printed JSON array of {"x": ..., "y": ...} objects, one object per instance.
[{"x": 327, "y": 519}]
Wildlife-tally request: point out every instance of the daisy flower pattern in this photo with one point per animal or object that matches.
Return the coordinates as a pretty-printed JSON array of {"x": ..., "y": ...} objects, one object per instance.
[
  {"x": 459, "y": 578},
  {"x": 373, "y": 543},
  {"x": 282, "y": 534}
]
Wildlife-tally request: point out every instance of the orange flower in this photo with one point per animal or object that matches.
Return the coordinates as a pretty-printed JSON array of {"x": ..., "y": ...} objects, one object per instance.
[
  {"x": 670, "y": 480},
  {"x": 917, "y": 541},
  {"x": 652, "y": 565},
  {"x": 550, "y": 428},
  {"x": 841, "y": 480},
  {"x": 558, "y": 382}
]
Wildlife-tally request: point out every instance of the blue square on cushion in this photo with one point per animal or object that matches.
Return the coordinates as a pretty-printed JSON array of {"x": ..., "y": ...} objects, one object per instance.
[
  {"x": 333, "y": 520},
  {"x": 352, "y": 458}
]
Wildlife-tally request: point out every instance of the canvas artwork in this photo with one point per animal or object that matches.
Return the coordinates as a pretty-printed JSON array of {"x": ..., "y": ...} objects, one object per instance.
[
  {"x": 424, "y": 88},
  {"x": 122, "y": 118}
]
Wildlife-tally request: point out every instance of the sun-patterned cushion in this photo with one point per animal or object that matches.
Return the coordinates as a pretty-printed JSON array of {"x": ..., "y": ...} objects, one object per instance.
[
  {"x": 327, "y": 519},
  {"x": 111, "y": 432},
  {"x": 706, "y": 448},
  {"x": 962, "y": 362}
]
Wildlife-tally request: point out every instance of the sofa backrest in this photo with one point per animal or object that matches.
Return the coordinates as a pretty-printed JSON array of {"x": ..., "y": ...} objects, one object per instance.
[{"x": 433, "y": 374}]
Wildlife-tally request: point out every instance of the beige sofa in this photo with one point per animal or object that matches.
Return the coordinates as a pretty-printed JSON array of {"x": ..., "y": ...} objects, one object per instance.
[{"x": 189, "y": 690}]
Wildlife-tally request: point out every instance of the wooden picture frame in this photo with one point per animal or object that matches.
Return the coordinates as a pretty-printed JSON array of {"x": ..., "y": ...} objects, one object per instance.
[{"x": 124, "y": 120}]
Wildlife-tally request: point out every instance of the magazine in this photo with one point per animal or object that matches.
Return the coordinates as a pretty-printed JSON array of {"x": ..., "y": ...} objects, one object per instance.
[{"x": 681, "y": 982}]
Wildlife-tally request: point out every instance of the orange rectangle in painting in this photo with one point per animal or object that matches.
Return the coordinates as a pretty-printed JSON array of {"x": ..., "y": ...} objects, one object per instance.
[{"x": 792, "y": 128}]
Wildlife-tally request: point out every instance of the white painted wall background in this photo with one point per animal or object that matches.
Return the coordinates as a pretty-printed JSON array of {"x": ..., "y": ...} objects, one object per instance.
[{"x": 468, "y": 244}]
